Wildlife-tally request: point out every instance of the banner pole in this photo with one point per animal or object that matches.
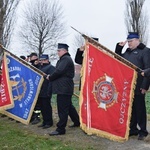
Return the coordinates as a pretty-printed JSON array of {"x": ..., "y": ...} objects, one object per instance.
[
  {"x": 23, "y": 61},
  {"x": 98, "y": 45}
]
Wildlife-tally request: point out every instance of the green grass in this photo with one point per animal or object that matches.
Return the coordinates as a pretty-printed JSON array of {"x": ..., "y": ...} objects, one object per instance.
[
  {"x": 147, "y": 99},
  {"x": 12, "y": 138}
]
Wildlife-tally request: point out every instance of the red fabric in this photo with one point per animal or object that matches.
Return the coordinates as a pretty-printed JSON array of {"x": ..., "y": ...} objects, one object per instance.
[
  {"x": 98, "y": 92},
  {"x": 5, "y": 96}
]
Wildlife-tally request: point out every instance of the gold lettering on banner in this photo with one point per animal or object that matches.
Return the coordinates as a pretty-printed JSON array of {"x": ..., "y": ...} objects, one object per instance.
[
  {"x": 123, "y": 102},
  {"x": 91, "y": 60}
]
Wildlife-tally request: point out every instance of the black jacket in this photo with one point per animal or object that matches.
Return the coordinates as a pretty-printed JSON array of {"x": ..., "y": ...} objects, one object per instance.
[
  {"x": 147, "y": 72},
  {"x": 139, "y": 57},
  {"x": 63, "y": 76},
  {"x": 79, "y": 57},
  {"x": 46, "y": 89}
]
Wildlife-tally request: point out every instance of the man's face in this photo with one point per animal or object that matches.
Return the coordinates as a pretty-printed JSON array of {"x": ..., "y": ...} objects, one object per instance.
[
  {"x": 61, "y": 52},
  {"x": 33, "y": 58},
  {"x": 133, "y": 43},
  {"x": 44, "y": 61}
]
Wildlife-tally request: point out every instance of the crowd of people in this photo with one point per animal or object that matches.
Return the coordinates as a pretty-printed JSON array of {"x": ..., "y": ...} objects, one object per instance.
[
  {"x": 59, "y": 80},
  {"x": 138, "y": 54}
]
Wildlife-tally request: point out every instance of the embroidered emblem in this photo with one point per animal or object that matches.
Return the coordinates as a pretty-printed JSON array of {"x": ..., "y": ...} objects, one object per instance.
[
  {"x": 18, "y": 87},
  {"x": 105, "y": 93}
]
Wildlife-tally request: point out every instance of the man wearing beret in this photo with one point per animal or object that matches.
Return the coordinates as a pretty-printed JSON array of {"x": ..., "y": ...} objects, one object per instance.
[
  {"x": 138, "y": 54},
  {"x": 63, "y": 86}
]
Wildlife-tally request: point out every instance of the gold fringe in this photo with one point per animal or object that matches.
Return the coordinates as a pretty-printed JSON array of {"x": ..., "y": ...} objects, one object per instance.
[
  {"x": 2, "y": 108},
  {"x": 91, "y": 131},
  {"x": 33, "y": 105}
]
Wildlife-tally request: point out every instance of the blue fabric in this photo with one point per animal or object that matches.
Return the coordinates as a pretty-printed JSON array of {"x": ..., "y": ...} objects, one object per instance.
[
  {"x": 133, "y": 35},
  {"x": 25, "y": 84},
  {"x": 44, "y": 56}
]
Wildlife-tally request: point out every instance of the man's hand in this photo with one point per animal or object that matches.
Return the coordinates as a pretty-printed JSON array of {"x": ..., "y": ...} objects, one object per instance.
[
  {"x": 82, "y": 48},
  {"x": 48, "y": 77},
  {"x": 142, "y": 73},
  {"x": 123, "y": 43},
  {"x": 143, "y": 91}
]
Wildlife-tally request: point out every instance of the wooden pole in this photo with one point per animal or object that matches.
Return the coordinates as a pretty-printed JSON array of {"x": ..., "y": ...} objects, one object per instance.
[
  {"x": 106, "y": 50},
  {"x": 23, "y": 61}
]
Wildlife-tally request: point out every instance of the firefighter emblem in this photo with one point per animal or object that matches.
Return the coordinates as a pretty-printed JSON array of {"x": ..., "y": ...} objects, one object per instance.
[
  {"x": 18, "y": 87},
  {"x": 105, "y": 93}
]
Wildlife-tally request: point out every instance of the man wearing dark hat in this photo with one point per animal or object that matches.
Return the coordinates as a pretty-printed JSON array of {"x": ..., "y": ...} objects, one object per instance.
[
  {"x": 45, "y": 95},
  {"x": 63, "y": 86},
  {"x": 138, "y": 54}
]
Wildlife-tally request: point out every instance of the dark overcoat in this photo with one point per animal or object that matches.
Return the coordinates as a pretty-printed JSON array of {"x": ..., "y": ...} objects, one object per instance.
[
  {"x": 147, "y": 72},
  {"x": 139, "y": 57},
  {"x": 46, "y": 89},
  {"x": 79, "y": 57},
  {"x": 62, "y": 78}
]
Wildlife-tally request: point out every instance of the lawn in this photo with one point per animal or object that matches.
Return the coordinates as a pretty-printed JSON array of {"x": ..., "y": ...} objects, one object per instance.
[{"x": 15, "y": 138}]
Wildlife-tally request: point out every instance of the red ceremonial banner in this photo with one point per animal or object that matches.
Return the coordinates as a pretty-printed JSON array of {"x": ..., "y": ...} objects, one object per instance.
[
  {"x": 106, "y": 95},
  {"x": 6, "y": 100}
]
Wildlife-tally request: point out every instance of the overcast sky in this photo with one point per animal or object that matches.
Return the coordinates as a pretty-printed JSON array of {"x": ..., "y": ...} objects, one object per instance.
[{"x": 99, "y": 18}]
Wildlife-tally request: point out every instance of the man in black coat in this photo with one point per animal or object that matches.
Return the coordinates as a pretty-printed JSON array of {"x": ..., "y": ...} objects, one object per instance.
[
  {"x": 79, "y": 57},
  {"x": 63, "y": 86},
  {"x": 138, "y": 54},
  {"x": 45, "y": 95}
]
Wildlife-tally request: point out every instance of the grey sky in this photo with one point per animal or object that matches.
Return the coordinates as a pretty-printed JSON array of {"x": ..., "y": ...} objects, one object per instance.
[{"x": 99, "y": 18}]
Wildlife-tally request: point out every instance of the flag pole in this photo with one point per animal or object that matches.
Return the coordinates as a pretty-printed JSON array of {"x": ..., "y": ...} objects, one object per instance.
[
  {"x": 100, "y": 46},
  {"x": 2, "y": 49}
]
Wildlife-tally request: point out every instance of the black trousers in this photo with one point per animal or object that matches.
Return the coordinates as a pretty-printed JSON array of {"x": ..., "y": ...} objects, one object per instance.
[
  {"x": 37, "y": 111},
  {"x": 46, "y": 110},
  {"x": 138, "y": 116},
  {"x": 65, "y": 109}
]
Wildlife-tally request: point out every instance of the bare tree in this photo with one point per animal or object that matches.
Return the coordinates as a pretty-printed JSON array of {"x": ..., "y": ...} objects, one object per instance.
[
  {"x": 7, "y": 20},
  {"x": 136, "y": 19},
  {"x": 77, "y": 42},
  {"x": 43, "y": 25}
]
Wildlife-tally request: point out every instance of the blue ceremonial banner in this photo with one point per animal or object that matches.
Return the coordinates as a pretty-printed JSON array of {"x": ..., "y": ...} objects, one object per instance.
[{"x": 25, "y": 85}]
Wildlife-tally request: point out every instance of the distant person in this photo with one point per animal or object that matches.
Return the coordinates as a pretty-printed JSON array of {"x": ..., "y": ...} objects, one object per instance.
[
  {"x": 138, "y": 54},
  {"x": 79, "y": 58},
  {"x": 23, "y": 57},
  {"x": 34, "y": 60},
  {"x": 80, "y": 53},
  {"x": 63, "y": 86},
  {"x": 45, "y": 95},
  {"x": 28, "y": 58}
]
